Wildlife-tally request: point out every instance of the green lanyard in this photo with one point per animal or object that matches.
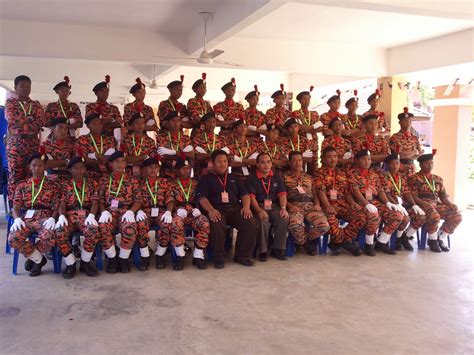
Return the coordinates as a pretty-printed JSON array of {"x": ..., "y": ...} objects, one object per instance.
[
  {"x": 213, "y": 143},
  {"x": 153, "y": 195},
  {"x": 137, "y": 152},
  {"x": 306, "y": 121},
  {"x": 62, "y": 108},
  {"x": 172, "y": 105},
  {"x": 119, "y": 187},
  {"x": 268, "y": 150},
  {"x": 292, "y": 145},
  {"x": 171, "y": 142},
  {"x": 23, "y": 108},
  {"x": 33, "y": 196},
  {"x": 240, "y": 151},
  {"x": 186, "y": 195},
  {"x": 397, "y": 187},
  {"x": 95, "y": 144},
  {"x": 350, "y": 123},
  {"x": 431, "y": 186},
  {"x": 80, "y": 199}
]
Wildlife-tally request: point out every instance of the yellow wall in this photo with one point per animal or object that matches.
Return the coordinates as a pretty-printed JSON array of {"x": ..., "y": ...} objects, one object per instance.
[{"x": 392, "y": 100}]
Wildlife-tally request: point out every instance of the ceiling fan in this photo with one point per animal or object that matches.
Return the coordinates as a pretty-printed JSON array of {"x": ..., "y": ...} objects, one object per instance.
[{"x": 205, "y": 57}]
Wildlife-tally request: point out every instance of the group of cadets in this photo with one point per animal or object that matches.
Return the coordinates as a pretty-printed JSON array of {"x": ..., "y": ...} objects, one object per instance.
[{"x": 260, "y": 175}]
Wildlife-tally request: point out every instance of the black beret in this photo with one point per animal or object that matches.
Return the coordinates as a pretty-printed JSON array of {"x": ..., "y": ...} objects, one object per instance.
[
  {"x": 425, "y": 157},
  {"x": 137, "y": 86},
  {"x": 334, "y": 120},
  {"x": 61, "y": 84},
  {"x": 390, "y": 157},
  {"x": 251, "y": 94},
  {"x": 197, "y": 83},
  {"x": 289, "y": 122},
  {"x": 34, "y": 156},
  {"x": 150, "y": 161},
  {"x": 180, "y": 162},
  {"x": 117, "y": 154},
  {"x": 174, "y": 84},
  {"x": 369, "y": 117},
  {"x": 351, "y": 100},
  {"x": 238, "y": 123},
  {"x": 58, "y": 120},
  {"x": 301, "y": 94},
  {"x": 136, "y": 116},
  {"x": 99, "y": 86},
  {"x": 362, "y": 153},
  {"x": 171, "y": 115},
  {"x": 405, "y": 114},
  {"x": 207, "y": 116},
  {"x": 373, "y": 96},
  {"x": 332, "y": 98},
  {"x": 91, "y": 117},
  {"x": 278, "y": 93},
  {"x": 229, "y": 84},
  {"x": 74, "y": 161}
]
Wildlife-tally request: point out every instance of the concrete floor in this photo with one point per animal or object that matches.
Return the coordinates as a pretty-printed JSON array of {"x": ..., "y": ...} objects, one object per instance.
[{"x": 417, "y": 303}]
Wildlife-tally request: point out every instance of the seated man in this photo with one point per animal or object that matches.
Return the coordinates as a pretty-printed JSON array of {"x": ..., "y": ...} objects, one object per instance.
[
  {"x": 368, "y": 191},
  {"x": 226, "y": 202},
  {"x": 35, "y": 207},
  {"x": 268, "y": 198},
  {"x": 430, "y": 194},
  {"x": 303, "y": 205},
  {"x": 183, "y": 192},
  {"x": 77, "y": 210},
  {"x": 332, "y": 186}
]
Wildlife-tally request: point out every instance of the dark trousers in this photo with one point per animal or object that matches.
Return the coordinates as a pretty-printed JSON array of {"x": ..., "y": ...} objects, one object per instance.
[{"x": 246, "y": 236}]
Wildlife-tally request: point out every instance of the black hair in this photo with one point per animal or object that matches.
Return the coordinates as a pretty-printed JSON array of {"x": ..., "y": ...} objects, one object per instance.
[
  {"x": 293, "y": 153},
  {"x": 327, "y": 150},
  {"x": 21, "y": 78},
  {"x": 218, "y": 152},
  {"x": 263, "y": 154}
]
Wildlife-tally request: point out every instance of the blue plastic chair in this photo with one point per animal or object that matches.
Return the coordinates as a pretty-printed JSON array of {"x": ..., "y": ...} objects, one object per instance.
[
  {"x": 422, "y": 239},
  {"x": 323, "y": 244},
  {"x": 290, "y": 246},
  {"x": 55, "y": 252},
  {"x": 9, "y": 219},
  {"x": 393, "y": 241}
]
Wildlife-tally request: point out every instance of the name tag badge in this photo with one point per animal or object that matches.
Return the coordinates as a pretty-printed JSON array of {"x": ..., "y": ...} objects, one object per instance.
[
  {"x": 30, "y": 214},
  {"x": 245, "y": 171},
  {"x": 136, "y": 170},
  {"x": 267, "y": 204},
  {"x": 155, "y": 211},
  {"x": 400, "y": 201},
  {"x": 114, "y": 204},
  {"x": 81, "y": 213},
  {"x": 300, "y": 189},
  {"x": 333, "y": 195},
  {"x": 225, "y": 197},
  {"x": 309, "y": 136},
  {"x": 368, "y": 195}
]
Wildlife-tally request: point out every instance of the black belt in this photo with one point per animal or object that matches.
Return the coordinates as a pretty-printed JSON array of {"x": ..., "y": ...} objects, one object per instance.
[{"x": 406, "y": 161}]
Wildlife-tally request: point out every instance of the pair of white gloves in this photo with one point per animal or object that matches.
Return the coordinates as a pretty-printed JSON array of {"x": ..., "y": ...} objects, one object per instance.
[
  {"x": 128, "y": 216},
  {"x": 396, "y": 207},
  {"x": 181, "y": 212},
  {"x": 166, "y": 151}
]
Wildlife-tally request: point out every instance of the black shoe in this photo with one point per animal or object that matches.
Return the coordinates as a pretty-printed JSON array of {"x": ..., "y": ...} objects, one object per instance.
[
  {"x": 278, "y": 254},
  {"x": 144, "y": 263},
  {"x": 406, "y": 242},
  {"x": 124, "y": 265},
  {"x": 369, "y": 249},
  {"x": 244, "y": 262},
  {"x": 353, "y": 249},
  {"x": 112, "y": 265},
  {"x": 28, "y": 264},
  {"x": 160, "y": 262},
  {"x": 69, "y": 271},
  {"x": 76, "y": 251},
  {"x": 434, "y": 245},
  {"x": 201, "y": 264},
  {"x": 309, "y": 247},
  {"x": 88, "y": 269},
  {"x": 36, "y": 269},
  {"x": 179, "y": 263},
  {"x": 263, "y": 257},
  {"x": 400, "y": 243},
  {"x": 219, "y": 264},
  {"x": 443, "y": 246},
  {"x": 384, "y": 248},
  {"x": 335, "y": 248}
]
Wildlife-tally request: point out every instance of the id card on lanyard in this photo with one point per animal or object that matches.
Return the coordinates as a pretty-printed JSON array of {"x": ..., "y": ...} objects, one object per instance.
[
  {"x": 114, "y": 203},
  {"x": 155, "y": 211},
  {"x": 31, "y": 212},
  {"x": 224, "y": 194},
  {"x": 267, "y": 202}
]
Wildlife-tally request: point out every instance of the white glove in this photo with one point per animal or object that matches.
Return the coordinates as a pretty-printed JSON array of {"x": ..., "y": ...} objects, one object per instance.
[
  {"x": 62, "y": 221},
  {"x": 196, "y": 212},
  {"x": 263, "y": 127},
  {"x": 392, "y": 206},
  {"x": 109, "y": 151},
  {"x": 71, "y": 121},
  {"x": 253, "y": 156},
  {"x": 166, "y": 151},
  {"x": 181, "y": 212},
  {"x": 166, "y": 217},
  {"x": 185, "y": 119},
  {"x": 188, "y": 148},
  {"x": 49, "y": 223},
  {"x": 200, "y": 150},
  {"x": 417, "y": 209},
  {"x": 141, "y": 216},
  {"x": 105, "y": 217},
  {"x": 150, "y": 122},
  {"x": 308, "y": 154},
  {"x": 50, "y": 157},
  {"x": 318, "y": 125},
  {"x": 237, "y": 159},
  {"x": 402, "y": 210},
  {"x": 347, "y": 155},
  {"x": 129, "y": 217},
  {"x": 252, "y": 128},
  {"x": 227, "y": 150},
  {"x": 91, "y": 156},
  {"x": 220, "y": 118},
  {"x": 90, "y": 220},
  {"x": 17, "y": 225},
  {"x": 371, "y": 208}
]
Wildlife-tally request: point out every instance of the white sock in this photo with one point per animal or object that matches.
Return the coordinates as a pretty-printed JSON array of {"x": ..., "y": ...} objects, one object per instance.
[
  {"x": 433, "y": 236},
  {"x": 160, "y": 251},
  {"x": 145, "y": 252},
  {"x": 410, "y": 231},
  {"x": 369, "y": 239},
  {"x": 443, "y": 236},
  {"x": 198, "y": 253},
  {"x": 383, "y": 237},
  {"x": 399, "y": 234},
  {"x": 36, "y": 257},
  {"x": 86, "y": 256},
  {"x": 180, "y": 250},
  {"x": 124, "y": 253},
  {"x": 111, "y": 253},
  {"x": 70, "y": 259}
]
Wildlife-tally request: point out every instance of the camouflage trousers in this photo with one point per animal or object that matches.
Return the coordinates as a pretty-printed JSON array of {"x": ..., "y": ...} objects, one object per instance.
[
  {"x": 437, "y": 211},
  {"x": 355, "y": 218},
  {"x": 391, "y": 219},
  {"x": 76, "y": 223},
  {"x": 318, "y": 224},
  {"x": 46, "y": 238},
  {"x": 199, "y": 224},
  {"x": 126, "y": 229},
  {"x": 162, "y": 235}
]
